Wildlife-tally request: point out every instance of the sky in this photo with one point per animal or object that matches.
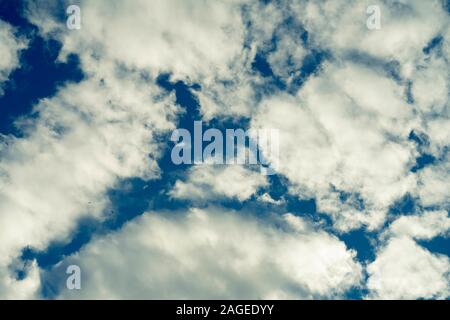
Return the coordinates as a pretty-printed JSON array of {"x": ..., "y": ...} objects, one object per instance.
[{"x": 357, "y": 206}]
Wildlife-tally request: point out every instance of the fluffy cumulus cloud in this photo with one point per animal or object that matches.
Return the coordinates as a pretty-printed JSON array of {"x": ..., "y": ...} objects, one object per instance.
[
  {"x": 406, "y": 27},
  {"x": 196, "y": 39},
  {"x": 333, "y": 138},
  {"x": 347, "y": 129},
  {"x": 10, "y": 46},
  {"x": 356, "y": 109},
  {"x": 434, "y": 186},
  {"x": 210, "y": 182},
  {"x": 213, "y": 253},
  {"x": 93, "y": 133},
  {"x": 426, "y": 226},
  {"x": 405, "y": 270},
  {"x": 79, "y": 146}
]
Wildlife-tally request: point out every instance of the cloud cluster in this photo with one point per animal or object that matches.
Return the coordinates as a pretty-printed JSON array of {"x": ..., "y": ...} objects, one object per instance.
[
  {"x": 83, "y": 141},
  {"x": 190, "y": 39},
  {"x": 211, "y": 182},
  {"x": 344, "y": 141},
  {"x": 213, "y": 254},
  {"x": 345, "y": 135},
  {"x": 340, "y": 134},
  {"x": 405, "y": 270},
  {"x": 94, "y": 133},
  {"x": 406, "y": 28},
  {"x": 10, "y": 46},
  {"x": 426, "y": 226}
]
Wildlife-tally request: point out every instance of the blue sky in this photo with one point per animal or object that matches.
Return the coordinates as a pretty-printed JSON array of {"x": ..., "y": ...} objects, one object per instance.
[{"x": 357, "y": 209}]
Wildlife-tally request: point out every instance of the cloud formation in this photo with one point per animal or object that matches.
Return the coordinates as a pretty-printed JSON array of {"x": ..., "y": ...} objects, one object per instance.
[
  {"x": 209, "y": 182},
  {"x": 84, "y": 140},
  {"x": 10, "y": 46},
  {"x": 403, "y": 269},
  {"x": 355, "y": 108},
  {"x": 214, "y": 254}
]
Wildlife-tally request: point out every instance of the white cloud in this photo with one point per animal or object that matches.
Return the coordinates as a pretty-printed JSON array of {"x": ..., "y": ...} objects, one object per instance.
[
  {"x": 196, "y": 41},
  {"x": 430, "y": 87},
  {"x": 430, "y": 90},
  {"x": 98, "y": 131},
  {"x": 269, "y": 21},
  {"x": 10, "y": 47},
  {"x": 267, "y": 198},
  {"x": 425, "y": 226},
  {"x": 340, "y": 131},
  {"x": 213, "y": 254},
  {"x": 235, "y": 94},
  {"x": 287, "y": 59},
  {"x": 192, "y": 39},
  {"x": 434, "y": 187},
  {"x": 12, "y": 288},
  {"x": 404, "y": 270},
  {"x": 406, "y": 27},
  {"x": 92, "y": 134},
  {"x": 85, "y": 138},
  {"x": 347, "y": 127},
  {"x": 208, "y": 182}
]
